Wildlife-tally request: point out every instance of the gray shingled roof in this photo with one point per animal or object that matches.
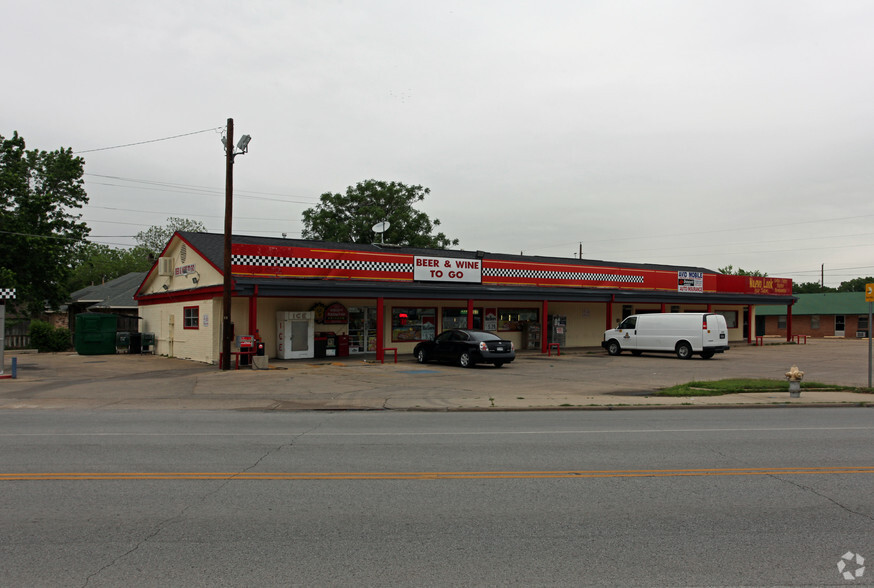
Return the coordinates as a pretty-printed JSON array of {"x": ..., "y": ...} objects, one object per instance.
[{"x": 114, "y": 294}]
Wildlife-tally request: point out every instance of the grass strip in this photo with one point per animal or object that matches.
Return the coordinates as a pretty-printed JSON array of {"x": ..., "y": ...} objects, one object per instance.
[{"x": 741, "y": 385}]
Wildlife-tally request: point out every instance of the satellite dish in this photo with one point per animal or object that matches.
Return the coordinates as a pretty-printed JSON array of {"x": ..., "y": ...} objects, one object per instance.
[{"x": 381, "y": 228}]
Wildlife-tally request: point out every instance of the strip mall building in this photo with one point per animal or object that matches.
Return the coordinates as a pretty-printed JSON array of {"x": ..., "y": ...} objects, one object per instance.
[{"x": 379, "y": 297}]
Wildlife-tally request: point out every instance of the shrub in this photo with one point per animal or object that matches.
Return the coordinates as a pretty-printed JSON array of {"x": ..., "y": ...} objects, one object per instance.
[{"x": 45, "y": 337}]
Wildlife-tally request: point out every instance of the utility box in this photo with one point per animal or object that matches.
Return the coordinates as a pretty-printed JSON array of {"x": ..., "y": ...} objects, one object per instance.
[
  {"x": 122, "y": 341},
  {"x": 148, "y": 343},
  {"x": 95, "y": 333}
]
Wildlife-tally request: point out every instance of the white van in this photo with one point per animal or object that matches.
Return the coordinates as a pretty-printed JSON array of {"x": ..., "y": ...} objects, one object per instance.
[{"x": 681, "y": 333}]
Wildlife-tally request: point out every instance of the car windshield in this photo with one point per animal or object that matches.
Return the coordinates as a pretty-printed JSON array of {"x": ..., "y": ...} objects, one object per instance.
[{"x": 483, "y": 336}]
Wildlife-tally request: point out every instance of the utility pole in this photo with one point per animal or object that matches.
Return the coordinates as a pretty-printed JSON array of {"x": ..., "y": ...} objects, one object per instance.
[{"x": 227, "y": 327}]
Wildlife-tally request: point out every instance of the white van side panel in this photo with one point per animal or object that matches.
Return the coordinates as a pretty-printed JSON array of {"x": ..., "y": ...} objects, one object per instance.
[{"x": 663, "y": 331}]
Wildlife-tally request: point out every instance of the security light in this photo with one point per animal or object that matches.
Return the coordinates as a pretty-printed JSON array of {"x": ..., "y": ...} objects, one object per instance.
[{"x": 243, "y": 144}]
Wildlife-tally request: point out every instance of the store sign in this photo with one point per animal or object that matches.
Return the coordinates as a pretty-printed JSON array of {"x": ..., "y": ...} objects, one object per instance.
[
  {"x": 447, "y": 269},
  {"x": 690, "y": 281},
  {"x": 336, "y": 314},
  {"x": 185, "y": 270}
]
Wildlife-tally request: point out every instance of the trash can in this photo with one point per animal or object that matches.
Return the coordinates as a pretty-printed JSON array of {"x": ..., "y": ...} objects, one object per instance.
[
  {"x": 148, "y": 343},
  {"x": 95, "y": 333},
  {"x": 259, "y": 349},
  {"x": 122, "y": 342},
  {"x": 321, "y": 344},
  {"x": 136, "y": 342},
  {"x": 343, "y": 345}
]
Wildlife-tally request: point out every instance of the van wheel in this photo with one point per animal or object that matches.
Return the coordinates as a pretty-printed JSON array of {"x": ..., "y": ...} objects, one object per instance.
[
  {"x": 684, "y": 350},
  {"x": 613, "y": 347},
  {"x": 707, "y": 354}
]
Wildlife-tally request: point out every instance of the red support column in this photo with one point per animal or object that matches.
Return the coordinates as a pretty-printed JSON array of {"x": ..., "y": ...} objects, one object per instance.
[
  {"x": 470, "y": 314},
  {"x": 380, "y": 328},
  {"x": 709, "y": 308},
  {"x": 789, "y": 323},
  {"x": 544, "y": 312},
  {"x": 664, "y": 307}
]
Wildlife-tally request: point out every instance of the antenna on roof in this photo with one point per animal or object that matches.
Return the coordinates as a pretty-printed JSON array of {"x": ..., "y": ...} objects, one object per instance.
[{"x": 381, "y": 228}]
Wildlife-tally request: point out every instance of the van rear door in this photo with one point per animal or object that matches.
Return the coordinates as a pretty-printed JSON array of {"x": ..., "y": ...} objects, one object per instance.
[{"x": 715, "y": 331}]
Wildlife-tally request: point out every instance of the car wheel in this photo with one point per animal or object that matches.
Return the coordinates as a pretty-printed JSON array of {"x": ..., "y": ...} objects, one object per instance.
[
  {"x": 499, "y": 363},
  {"x": 684, "y": 350},
  {"x": 613, "y": 347},
  {"x": 421, "y": 356},
  {"x": 707, "y": 354},
  {"x": 464, "y": 360}
]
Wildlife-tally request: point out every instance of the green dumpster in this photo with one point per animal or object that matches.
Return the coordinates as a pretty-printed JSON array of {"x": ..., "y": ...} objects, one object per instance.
[{"x": 95, "y": 333}]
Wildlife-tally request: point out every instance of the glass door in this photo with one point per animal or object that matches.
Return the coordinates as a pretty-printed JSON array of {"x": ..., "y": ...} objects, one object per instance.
[
  {"x": 839, "y": 325},
  {"x": 362, "y": 329}
]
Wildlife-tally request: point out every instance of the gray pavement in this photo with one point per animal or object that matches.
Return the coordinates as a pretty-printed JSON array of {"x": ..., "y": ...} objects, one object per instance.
[{"x": 579, "y": 378}]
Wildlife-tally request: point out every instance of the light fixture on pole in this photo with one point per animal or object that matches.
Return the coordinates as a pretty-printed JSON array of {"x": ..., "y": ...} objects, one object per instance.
[{"x": 230, "y": 154}]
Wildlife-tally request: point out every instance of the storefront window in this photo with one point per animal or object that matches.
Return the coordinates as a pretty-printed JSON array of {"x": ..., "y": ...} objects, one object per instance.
[
  {"x": 191, "y": 317},
  {"x": 514, "y": 319},
  {"x": 730, "y": 318},
  {"x": 456, "y": 318},
  {"x": 413, "y": 324}
]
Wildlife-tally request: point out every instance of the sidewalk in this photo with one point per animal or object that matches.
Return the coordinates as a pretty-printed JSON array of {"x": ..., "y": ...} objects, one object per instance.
[{"x": 578, "y": 379}]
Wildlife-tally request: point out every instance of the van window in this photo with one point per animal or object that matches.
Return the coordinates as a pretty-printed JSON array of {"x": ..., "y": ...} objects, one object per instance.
[{"x": 628, "y": 323}]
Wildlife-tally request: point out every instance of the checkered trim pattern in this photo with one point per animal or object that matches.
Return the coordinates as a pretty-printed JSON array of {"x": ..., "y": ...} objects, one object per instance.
[
  {"x": 313, "y": 263},
  {"x": 7, "y": 293},
  {"x": 547, "y": 275}
]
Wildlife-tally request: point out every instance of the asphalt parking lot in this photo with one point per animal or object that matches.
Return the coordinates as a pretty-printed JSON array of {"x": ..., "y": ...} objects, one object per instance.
[{"x": 579, "y": 378}]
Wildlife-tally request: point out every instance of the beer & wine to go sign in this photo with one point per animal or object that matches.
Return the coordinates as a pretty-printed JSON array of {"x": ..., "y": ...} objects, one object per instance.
[{"x": 448, "y": 269}]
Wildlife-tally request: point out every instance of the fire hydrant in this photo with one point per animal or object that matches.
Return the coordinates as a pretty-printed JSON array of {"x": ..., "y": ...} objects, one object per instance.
[{"x": 794, "y": 375}]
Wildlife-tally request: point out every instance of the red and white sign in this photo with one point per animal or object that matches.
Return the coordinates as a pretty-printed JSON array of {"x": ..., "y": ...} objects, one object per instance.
[{"x": 448, "y": 269}]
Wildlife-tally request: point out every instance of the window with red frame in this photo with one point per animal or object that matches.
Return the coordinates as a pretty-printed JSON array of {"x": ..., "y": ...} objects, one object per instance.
[{"x": 191, "y": 317}]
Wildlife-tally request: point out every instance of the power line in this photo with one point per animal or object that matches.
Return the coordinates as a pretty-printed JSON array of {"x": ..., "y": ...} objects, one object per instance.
[{"x": 149, "y": 141}]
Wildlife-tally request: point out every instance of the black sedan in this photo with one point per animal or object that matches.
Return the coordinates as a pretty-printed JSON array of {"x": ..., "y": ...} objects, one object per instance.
[{"x": 466, "y": 347}]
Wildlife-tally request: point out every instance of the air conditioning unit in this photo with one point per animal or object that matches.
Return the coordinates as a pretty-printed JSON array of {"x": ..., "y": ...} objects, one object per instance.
[
  {"x": 165, "y": 266},
  {"x": 861, "y": 334}
]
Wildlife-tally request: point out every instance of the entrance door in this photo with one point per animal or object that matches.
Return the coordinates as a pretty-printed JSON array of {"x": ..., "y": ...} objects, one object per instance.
[
  {"x": 839, "y": 325},
  {"x": 362, "y": 329}
]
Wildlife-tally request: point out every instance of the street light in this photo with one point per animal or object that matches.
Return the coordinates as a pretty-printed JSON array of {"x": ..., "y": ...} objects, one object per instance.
[{"x": 230, "y": 153}]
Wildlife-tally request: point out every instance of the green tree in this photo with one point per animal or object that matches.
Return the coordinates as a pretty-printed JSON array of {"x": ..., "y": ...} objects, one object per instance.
[
  {"x": 96, "y": 263},
  {"x": 39, "y": 230},
  {"x": 350, "y": 217},
  {"x": 729, "y": 270},
  {"x": 809, "y": 288},
  {"x": 855, "y": 285},
  {"x": 155, "y": 238}
]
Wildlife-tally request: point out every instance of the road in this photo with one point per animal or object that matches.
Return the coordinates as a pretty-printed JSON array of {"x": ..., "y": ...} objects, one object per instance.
[{"x": 631, "y": 498}]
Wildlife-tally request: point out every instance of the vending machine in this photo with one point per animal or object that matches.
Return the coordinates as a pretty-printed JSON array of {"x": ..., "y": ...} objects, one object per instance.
[
  {"x": 556, "y": 329},
  {"x": 295, "y": 337}
]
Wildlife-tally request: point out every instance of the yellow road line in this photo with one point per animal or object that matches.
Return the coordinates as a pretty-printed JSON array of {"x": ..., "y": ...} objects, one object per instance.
[{"x": 23, "y": 476}]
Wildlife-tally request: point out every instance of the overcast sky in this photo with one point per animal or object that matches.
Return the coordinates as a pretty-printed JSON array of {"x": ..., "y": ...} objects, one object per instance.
[{"x": 699, "y": 133}]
